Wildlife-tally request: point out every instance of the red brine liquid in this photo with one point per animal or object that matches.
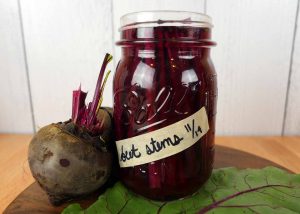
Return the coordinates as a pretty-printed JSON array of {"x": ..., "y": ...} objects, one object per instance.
[{"x": 165, "y": 75}]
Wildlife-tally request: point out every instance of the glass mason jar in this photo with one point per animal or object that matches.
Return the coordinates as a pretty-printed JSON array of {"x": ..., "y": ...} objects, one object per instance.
[{"x": 164, "y": 79}]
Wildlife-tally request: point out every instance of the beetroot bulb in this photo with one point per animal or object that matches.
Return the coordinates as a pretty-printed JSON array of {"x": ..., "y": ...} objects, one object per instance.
[{"x": 74, "y": 158}]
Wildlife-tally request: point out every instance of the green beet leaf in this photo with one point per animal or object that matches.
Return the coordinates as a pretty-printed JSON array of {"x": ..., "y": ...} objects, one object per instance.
[{"x": 229, "y": 190}]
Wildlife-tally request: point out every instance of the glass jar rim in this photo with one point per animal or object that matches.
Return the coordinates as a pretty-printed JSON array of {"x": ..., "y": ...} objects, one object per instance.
[{"x": 156, "y": 18}]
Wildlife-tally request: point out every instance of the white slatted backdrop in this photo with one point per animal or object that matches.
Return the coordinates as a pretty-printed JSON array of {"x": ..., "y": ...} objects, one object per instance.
[
  {"x": 47, "y": 48},
  {"x": 15, "y": 113}
]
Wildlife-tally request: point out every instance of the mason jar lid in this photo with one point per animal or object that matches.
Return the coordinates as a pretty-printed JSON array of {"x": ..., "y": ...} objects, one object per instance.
[{"x": 165, "y": 18}]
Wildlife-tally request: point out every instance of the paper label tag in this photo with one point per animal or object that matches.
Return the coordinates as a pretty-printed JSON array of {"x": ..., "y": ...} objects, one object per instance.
[{"x": 164, "y": 142}]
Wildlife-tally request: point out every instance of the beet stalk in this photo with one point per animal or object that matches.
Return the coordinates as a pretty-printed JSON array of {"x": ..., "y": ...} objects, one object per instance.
[{"x": 83, "y": 115}]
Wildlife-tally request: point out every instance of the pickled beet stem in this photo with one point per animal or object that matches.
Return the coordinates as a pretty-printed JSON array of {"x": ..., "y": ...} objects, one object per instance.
[
  {"x": 154, "y": 175},
  {"x": 178, "y": 174},
  {"x": 154, "y": 168}
]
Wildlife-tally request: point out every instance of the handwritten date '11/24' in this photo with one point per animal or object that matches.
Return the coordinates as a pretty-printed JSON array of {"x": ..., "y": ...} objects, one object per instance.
[{"x": 156, "y": 146}]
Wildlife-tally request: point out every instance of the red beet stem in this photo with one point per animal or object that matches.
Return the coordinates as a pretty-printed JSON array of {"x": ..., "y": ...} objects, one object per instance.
[
  {"x": 172, "y": 163},
  {"x": 157, "y": 169},
  {"x": 180, "y": 161},
  {"x": 78, "y": 104},
  {"x": 86, "y": 116},
  {"x": 94, "y": 105},
  {"x": 154, "y": 175}
]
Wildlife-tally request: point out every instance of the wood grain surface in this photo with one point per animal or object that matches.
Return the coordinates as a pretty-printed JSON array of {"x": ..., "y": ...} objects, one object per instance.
[
  {"x": 34, "y": 200},
  {"x": 16, "y": 176}
]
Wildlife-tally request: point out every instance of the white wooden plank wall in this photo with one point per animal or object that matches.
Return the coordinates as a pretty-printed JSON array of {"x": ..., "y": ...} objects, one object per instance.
[
  {"x": 292, "y": 122},
  {"x": 15, "y": 113},
  {"x": 65, "y": 41},
  {"x": 252, "y": 60}
]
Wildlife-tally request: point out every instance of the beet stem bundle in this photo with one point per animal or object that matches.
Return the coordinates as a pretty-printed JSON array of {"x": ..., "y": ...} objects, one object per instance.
[{"x": 83, "y": 115}]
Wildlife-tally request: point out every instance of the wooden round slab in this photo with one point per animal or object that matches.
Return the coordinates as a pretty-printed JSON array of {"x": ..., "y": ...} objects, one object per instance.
[{"x": 34, "y": 200}]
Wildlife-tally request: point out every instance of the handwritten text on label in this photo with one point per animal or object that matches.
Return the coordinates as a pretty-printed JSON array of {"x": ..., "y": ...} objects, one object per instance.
[{"x": 163, "y": 142}]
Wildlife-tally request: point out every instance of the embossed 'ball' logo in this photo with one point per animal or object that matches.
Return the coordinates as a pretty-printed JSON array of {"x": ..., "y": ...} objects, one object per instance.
[{"x": 139, "y": 106}]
